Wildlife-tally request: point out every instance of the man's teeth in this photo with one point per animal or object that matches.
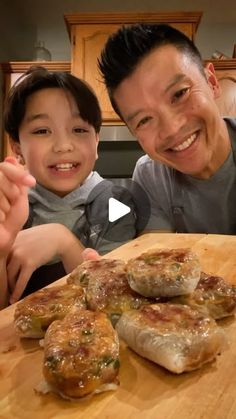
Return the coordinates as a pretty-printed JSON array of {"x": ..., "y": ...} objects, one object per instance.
[
  {"x": 64, "y": 166},
  {"x": 186, "y": 143}
]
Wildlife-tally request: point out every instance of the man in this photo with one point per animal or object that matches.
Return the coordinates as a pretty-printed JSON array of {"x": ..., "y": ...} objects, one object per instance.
[{"x": 157, "y": 84}]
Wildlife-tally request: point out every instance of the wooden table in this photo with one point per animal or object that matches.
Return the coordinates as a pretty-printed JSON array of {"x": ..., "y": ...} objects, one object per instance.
[{"x": 146, "y": 390}]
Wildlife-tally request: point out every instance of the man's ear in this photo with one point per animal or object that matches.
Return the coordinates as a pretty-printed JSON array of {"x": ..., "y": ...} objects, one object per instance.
[
  {"x": 212, "y": 80},
  {"x": 16, "y": 148}
]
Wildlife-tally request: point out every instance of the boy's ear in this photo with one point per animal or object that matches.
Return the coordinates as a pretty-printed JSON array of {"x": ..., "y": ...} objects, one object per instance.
[
  {"x": 212, "y": 80},
  {"x": 16, "y": 148},
  {"x": 97, "y": 142}
]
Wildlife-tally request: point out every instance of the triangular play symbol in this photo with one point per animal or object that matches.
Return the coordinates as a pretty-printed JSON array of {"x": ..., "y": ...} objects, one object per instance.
[{"x": 116, "y": 209}]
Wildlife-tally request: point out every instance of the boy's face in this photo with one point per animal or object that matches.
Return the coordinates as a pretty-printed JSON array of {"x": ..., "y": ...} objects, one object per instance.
[
  {"x": 59, "y": 148},
  {"x": 170, "y": 108}
]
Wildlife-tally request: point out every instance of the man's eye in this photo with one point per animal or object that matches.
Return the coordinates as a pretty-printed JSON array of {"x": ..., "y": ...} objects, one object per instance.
[
  {"x": 143, "y": 121},
  {"x": 180, "y": 93}
]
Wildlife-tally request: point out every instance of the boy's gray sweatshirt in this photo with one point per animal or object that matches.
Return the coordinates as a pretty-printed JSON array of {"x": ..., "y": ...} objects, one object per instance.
[{"x": 84, "y": 211}]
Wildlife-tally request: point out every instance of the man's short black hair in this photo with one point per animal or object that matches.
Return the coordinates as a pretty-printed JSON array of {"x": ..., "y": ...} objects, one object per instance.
[
  {"x": 38, "y": 78},
  {"x": 125, "y": 49}
]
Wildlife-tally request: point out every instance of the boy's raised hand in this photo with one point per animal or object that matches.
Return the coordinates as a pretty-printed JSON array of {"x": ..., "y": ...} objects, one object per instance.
[{"x": 14, "y": 183}]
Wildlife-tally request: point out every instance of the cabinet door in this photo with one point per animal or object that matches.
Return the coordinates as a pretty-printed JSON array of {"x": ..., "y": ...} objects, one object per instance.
[
  {"x": 88, "y": 41},
  {"x": 186, "y": 28}
]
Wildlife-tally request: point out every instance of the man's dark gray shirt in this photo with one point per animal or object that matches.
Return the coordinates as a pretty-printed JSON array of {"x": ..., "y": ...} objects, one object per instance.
[{"x": 185, "y": 204}]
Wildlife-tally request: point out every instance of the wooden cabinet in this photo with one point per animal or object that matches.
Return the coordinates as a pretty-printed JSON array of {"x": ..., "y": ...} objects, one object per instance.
[
  {"x": 89, "y": 32},
  {"x": 88, "y": 42},
  {"x": 226, "y": 74},
  {"x": 11, "y": 72}
]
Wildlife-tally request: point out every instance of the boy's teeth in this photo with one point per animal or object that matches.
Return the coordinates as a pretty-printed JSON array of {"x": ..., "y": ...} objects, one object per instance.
[
  {"x": 64, "y": 166},
  {"x": 186, "y": 143}
]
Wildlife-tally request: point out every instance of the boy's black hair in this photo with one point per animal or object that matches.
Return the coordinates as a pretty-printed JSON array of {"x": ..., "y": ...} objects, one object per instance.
[
  {"x": 38, "y": 78},
  {"x": 126, "y": 48}
]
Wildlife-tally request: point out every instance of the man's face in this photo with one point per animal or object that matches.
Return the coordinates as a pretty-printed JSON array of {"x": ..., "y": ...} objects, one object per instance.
[
  {"x": 169, "y": 106},
  {"x": 59, "y": 148}
]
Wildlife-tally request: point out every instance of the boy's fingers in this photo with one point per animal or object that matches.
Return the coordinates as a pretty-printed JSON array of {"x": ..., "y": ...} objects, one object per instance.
[
  {"x": 20, "y": 285},
  {"x": 12, "y": 160},
  {"x": 10, "y": 192},
  {"x": 2, "y": 216},
  {"x": 13, "y": 270},
  {"x": 90, "y": 254},
  {"x": 16, "y": 173},
  {"x": 28, "y": 180},
  {"x": 4, "y": 203}
]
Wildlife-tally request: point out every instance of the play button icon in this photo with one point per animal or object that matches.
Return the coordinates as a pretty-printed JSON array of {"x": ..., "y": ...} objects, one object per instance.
[
  {"x": 116, "y": 209},
  {"x": 114, "y": 213}
]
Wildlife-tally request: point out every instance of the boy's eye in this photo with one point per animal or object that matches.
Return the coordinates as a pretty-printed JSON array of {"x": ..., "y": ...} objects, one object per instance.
[
  {"x": 80, "y": 130},
  {"x": 179, "y": 94},
  {"x": 41, "y": 131}
]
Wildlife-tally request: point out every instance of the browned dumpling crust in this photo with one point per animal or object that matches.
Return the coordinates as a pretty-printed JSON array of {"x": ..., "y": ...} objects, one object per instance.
[
  {"x": 213, "y": 296},
  {"x": 81, "y": 354},
  {"x": 172, "y": 335},
  {"x": 110, "y": 292},
  {"x": 102, "y": 268},
  {"x": 37, "y": 311},
  {"x": 164, "y": 272}
]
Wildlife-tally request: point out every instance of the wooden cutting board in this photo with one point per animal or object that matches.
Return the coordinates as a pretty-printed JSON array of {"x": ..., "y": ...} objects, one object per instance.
[{"x": 146, "y": 390}]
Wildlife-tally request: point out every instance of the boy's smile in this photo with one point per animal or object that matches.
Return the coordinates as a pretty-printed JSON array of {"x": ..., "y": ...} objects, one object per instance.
[
  {"x": 64, "y": 166},
  {"x": 58, "y": 146}
]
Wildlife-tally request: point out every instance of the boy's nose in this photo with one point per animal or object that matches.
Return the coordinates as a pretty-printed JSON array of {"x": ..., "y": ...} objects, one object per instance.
[{"x": 62, "y": 144}]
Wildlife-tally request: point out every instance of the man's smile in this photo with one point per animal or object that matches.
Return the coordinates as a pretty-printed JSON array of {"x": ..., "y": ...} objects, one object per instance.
[{"x": 186, "y": 143}]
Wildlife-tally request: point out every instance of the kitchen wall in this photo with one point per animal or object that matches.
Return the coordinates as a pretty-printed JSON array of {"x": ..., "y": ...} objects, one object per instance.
[{"x": 23, "y": 22}]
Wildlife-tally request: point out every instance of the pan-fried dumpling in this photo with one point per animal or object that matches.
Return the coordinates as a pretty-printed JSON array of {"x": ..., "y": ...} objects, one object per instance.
[
  {"x": 164, "y": 272},
  {"x": 172, "y": 335},
  {"x": 213, "y": 297},
  {"x": 37, "y": 311},
  {"x": 81, "y": 354}
]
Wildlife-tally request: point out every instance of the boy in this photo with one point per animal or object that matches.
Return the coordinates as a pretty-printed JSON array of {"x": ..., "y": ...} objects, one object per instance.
[{"x": 53, "y": 120}]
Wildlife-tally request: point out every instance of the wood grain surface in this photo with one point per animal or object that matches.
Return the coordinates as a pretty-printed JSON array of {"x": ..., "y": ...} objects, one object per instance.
[{"x": 146, "y": 390}]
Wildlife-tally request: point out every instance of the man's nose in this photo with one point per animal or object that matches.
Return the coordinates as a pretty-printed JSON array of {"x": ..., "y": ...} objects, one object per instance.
[{"x": 170, "y": 123}]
